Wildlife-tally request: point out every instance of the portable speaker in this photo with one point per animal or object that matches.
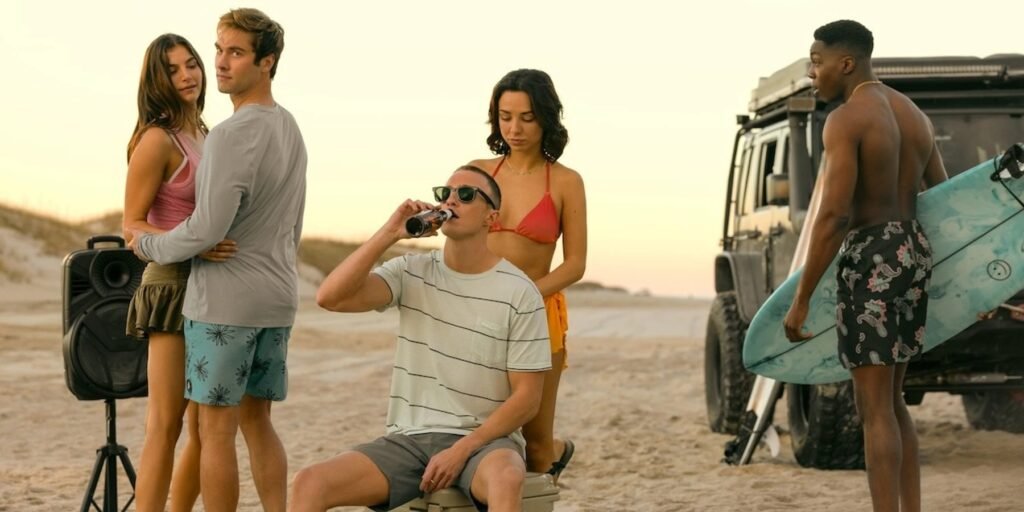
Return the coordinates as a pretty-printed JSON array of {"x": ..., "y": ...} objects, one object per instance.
[{"x": 100, "y": 360}]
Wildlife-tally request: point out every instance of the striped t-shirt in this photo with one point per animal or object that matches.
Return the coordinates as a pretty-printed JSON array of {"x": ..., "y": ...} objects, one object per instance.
[{"x": 459, "y": 335}]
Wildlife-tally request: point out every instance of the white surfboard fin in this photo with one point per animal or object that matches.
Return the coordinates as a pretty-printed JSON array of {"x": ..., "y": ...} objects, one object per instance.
[{"x": 771, "y": 440}]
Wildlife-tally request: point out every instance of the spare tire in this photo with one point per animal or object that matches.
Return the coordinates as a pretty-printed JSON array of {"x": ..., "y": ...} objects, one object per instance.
[
  {"x": 995, "y": 410},
  {"x": 726, "y": 382},
  {"x": 824, "y": 426}
]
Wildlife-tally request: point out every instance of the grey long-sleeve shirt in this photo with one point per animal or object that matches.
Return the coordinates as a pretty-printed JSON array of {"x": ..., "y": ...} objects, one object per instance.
[{"x": 251, "y": 188}]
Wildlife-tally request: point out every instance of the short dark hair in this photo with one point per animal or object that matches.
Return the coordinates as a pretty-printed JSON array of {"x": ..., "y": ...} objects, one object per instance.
[
  {"x": 848, "y": 34},
  {"x": 491, "y": 184},
  {"x": 546, "y": 107}
]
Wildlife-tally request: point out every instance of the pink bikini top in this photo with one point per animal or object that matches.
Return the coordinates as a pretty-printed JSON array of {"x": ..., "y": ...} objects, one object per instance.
[
  {"x": 176, "y": 197},
  {"x": 540, "y": 225}
]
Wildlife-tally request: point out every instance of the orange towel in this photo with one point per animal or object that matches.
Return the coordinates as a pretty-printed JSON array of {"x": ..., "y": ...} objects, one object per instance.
[{"x": 558, "y": 323}]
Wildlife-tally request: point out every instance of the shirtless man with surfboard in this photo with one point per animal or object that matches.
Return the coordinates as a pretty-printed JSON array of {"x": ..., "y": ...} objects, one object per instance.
[{"x": 879, "y": 150}]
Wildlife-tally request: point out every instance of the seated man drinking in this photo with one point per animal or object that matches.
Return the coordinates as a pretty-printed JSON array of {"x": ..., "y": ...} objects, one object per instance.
[{"x": 471, "y": 349}]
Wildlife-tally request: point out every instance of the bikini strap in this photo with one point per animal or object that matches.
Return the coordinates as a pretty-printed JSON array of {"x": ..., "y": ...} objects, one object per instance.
[
  {"x": 177, "y": 142},
  {"x": 498, "y": 168}
]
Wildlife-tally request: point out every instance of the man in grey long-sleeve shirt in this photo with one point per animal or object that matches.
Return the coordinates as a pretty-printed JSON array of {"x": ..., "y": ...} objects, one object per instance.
[{"x": 251, "y": 188}]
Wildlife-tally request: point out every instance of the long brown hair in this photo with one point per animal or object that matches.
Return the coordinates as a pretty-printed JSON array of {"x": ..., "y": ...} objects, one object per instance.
[{"x": 159, "y": 102}]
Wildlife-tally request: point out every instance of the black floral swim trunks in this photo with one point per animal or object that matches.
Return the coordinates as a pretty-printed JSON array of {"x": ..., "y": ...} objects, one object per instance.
[{"x": 882, "y": 294}]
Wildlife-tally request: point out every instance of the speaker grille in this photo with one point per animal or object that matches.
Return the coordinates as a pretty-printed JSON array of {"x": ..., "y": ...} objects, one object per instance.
[
  {"x": 104, "y": 361},
  {"x": 115, "y": 272},
  {"x": 79, "y": 285}
]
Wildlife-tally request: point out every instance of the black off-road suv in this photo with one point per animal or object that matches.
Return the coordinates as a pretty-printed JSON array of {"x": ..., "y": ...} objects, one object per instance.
[{"x": 976, "y": 106}]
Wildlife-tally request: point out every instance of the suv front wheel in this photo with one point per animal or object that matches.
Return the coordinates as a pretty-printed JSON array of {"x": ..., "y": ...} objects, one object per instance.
[
  {"x": 726, "y": 382},
  {"x": 823, "y": 423}
]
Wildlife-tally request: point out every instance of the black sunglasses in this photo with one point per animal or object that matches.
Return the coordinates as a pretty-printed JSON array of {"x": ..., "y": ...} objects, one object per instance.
[{"x": 465, "y": 193}]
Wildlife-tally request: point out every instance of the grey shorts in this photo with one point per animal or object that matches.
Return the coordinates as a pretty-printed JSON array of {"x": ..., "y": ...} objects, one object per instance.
[{"x": 403, "y": 459}]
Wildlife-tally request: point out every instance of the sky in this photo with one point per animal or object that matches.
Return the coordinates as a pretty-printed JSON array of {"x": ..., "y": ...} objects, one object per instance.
[{"x": 391, "y": 96}]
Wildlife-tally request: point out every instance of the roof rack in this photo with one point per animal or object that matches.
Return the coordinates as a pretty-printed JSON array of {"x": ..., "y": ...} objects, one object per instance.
[
  {"x": 783, "y": 83},
  {"x": 792, "y": 79}
]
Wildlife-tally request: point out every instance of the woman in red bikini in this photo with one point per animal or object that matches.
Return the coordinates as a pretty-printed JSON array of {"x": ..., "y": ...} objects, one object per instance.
[
  {"x": 543, "y": 200},
  {"x": 163, "y": 156}
]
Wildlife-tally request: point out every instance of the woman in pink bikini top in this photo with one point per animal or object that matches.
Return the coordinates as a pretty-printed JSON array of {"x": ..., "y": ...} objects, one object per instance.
[
  {"x": 163, "y": 157},
  {"x": 542, "y": 201}
]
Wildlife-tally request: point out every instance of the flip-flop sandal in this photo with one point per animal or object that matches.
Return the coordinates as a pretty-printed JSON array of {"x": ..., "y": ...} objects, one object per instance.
[{"x": 559, "y": 465}]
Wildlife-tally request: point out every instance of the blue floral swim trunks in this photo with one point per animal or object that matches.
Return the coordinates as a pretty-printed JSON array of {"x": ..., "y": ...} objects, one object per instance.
[
  {"x": 225, "y": 362},
  {"x": 882, "y": 294}
]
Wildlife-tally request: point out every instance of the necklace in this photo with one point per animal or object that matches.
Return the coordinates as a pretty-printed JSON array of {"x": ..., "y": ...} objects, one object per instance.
[
  {"x": 862, "y": 84},
  {"x": 516, "y": 172}
]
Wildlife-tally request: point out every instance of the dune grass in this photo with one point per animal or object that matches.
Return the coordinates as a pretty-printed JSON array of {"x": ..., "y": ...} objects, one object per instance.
[
  {"x": 324, "y": 254},
  {"x": 56, "y": 236},
  {"x": 59, "y": 237}
]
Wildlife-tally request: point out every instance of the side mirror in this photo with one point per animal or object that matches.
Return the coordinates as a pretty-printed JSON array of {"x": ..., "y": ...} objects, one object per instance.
[{"x": 777, "y": 189}]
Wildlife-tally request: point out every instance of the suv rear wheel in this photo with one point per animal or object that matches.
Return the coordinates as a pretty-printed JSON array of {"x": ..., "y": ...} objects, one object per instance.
[
  {"x": 825, "y": 429},
  {"x": 726, "y": 382},
  {"x": 995, "y": 410}
]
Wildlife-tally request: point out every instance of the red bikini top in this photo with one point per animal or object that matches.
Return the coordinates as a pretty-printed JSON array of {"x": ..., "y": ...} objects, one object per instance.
[{"x": 540, "y": 225}]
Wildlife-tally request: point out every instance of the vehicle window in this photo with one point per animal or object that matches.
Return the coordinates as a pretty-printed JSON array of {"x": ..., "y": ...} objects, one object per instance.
[
  {"x": 965, "y": 140},
  {"x": 750, "y": 179},
  {"x": 766, "y": 168},
  {"x": 753, "y": 187}
]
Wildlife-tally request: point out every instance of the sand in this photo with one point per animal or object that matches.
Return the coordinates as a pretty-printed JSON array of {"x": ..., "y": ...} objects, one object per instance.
[{"x": 632, "y": 400}]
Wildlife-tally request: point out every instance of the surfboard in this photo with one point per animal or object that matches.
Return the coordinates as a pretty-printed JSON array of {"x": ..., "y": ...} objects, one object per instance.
[{"x": 975, "y": 224}]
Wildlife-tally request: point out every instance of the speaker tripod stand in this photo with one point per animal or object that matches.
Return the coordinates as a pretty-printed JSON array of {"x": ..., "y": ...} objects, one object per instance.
[{"x": 108, "y": 456}]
